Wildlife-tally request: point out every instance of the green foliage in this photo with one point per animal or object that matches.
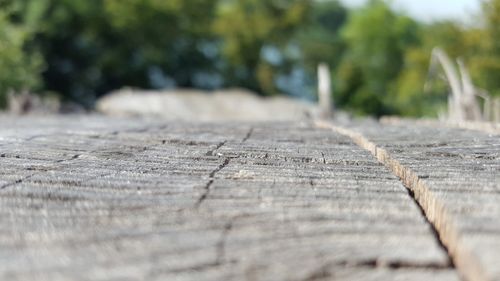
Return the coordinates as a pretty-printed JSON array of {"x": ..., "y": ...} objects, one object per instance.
[
  {"x": 379, "y": 58},
  {"x": 320, "y": 39},
  {"x": 92, "y": 47},
  {"x": 175, "y": 38},
  {"x": 250, "y": 27},
  {"x": 484, "y": 49},
  {"x": 376, "y": 40},
  {"x": 20, "y": 67}
]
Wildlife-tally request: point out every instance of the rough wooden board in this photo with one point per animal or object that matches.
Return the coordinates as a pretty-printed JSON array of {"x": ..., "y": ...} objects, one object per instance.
[
  {"x": 485, "y": 127},
  {"x": 94, "y": 198},
  {"x": 455, "y": 175}
]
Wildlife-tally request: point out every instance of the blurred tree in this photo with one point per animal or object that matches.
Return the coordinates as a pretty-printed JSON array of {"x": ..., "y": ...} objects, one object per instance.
[
  {"x": 255, "y": 35},
  {"x": 379, "y": 57},
  {"x": 76, "y": 41},
  {"x": 320, "y": 39},
  {"x": 20, "y": 65},
  {"x": 376, "y": 39},
  {"x": 94, "y": 46},
  {"x": 171, "y": 38},
  {"x": 484, "y": 49},
  {"x": 91, "y": 47}
]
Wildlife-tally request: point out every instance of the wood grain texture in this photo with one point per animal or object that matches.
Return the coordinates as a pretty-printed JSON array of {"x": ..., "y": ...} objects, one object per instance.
[
  {"x": 96, "y": 198},
  {"x": 455, "y": 176},
  {"x": 485, "y": 127}
]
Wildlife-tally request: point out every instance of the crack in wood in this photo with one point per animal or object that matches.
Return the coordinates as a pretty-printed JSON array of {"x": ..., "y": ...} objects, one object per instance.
[
  {"x": 221, "y": 244},
  {"x": 321, "y": 273},
  {"x": 211, "y": 180},
  {"x": 248, "y": 135},
  {"x": 432, "y": 208},
  {"x": 219, "y": 145},
  {"x": 31, "y": 138},
  {"x": 325, "y": 270},
  {"x": 199, "y": 267},
  {"x": 76, "y": 156},
  {"x": 394, "y": 265},
  {"x": 16, "y": 182},
  {"x": 323, "y": 157}
]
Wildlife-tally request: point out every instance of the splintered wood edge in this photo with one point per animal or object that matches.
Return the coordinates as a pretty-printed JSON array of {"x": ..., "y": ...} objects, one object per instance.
[{"x": 465, "y": 261}]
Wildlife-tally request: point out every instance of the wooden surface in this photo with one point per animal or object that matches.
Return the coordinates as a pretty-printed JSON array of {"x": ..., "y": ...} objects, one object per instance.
[
  {"x": 95, "y": 198},
  {"x": 454, "y": 175}
]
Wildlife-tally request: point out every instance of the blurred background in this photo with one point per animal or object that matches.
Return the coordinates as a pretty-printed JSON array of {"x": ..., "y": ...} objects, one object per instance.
[{"x": 379, "y": 52}]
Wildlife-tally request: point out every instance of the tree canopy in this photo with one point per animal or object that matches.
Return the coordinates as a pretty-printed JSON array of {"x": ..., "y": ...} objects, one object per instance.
[{"x": 379, "y": 57}]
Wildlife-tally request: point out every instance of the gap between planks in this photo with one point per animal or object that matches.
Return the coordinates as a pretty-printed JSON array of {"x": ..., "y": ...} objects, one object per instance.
[{"x": 433, "y": 209}]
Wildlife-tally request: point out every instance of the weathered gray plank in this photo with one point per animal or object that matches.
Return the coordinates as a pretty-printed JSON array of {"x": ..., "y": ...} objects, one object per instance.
[
  {"x": 485, "y": 127},
  {"x": 455, "y": 175},
  {"x": 94, "y": 198}
]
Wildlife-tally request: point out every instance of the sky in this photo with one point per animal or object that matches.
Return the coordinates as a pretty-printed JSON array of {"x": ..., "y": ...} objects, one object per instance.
[{"x": 429, "y": 10}]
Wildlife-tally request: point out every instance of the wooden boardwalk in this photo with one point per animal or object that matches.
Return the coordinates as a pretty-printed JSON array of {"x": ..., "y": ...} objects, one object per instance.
[{"x": 96, "y": 198}]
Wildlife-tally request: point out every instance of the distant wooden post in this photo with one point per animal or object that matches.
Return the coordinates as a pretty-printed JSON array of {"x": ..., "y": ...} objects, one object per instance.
[
  {"x": 469, "y": 92},
  {"x": 462, "y": 103},
  {"x": 454, "y": 100},
  {"x": 495, "y": 110},
  {"x": 325, "y": 91}
]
